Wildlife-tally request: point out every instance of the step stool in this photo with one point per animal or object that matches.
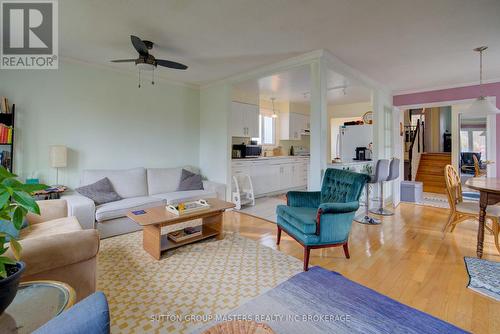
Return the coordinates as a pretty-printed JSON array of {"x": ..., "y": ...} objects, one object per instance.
[{"x": 242, "y": 191}]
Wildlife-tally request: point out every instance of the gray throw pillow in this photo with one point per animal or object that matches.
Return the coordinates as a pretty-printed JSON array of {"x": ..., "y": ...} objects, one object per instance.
[
  {"x": 100, "y": 192},
  {"x": 190, "y": 181}
]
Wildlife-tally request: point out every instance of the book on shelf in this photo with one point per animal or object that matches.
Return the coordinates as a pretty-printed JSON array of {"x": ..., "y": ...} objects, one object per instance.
[
  {"x": 185, "y": 234},
  {"x": 4, "y": 106},
  {"x": 5, "y": 134},
  {"x": 5, "y": 159}
]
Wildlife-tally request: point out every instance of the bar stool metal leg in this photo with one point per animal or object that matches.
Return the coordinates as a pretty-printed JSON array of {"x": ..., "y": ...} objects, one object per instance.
[
  {"x": 364, "y": 218},
  {"x": 381, "y": 210}
]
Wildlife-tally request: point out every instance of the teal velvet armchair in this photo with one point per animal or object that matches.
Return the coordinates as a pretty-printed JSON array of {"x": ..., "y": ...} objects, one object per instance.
[{"x": 322, "y": 218}]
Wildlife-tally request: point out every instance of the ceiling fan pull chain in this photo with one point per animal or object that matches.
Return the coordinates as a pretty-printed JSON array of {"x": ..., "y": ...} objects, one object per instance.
[
  {"x": 153, "y": 77},
  {"x": 139, "y": 78}
]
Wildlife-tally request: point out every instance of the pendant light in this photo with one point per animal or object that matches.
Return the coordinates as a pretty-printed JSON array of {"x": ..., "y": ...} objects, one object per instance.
[
  {"x": 274, "y": 111},
  {"x": 481, "y": 105}
]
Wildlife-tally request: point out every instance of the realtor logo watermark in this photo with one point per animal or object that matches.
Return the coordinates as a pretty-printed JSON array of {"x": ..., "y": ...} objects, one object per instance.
[{"x": 29, "y": 35}]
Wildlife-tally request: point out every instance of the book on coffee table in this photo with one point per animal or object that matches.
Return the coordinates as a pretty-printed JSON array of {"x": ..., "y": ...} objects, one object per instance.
[{"x": 186, "y": 233}]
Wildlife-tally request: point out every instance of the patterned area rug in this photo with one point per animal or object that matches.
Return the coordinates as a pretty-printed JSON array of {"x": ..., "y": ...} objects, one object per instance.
[
  {"x": 484, "y": 276},
  {"x": 189, "y": 286}
]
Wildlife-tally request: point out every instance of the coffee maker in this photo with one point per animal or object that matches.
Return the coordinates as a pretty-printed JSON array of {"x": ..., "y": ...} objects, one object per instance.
[{"x": 361, "y": 154}]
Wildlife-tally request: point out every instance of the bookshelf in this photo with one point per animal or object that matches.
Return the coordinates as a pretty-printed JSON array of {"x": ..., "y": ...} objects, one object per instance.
[{"x": 7, "y": 119}]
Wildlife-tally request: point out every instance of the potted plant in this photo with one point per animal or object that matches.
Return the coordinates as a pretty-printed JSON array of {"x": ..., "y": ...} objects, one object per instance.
[{"x": 15, "y": 203}]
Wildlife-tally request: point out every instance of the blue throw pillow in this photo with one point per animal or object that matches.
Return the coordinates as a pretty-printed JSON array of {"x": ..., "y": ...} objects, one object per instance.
[{"x": 8, "y": 227}]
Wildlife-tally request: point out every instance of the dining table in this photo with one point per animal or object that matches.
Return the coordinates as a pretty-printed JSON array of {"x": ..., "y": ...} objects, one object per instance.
[{"x": 489, "y": 189}]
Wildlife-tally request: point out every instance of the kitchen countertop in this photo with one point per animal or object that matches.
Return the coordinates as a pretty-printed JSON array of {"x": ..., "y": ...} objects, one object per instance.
[
  {"x": 351, "y": 162},
  {"x": 271, "y": 158}
]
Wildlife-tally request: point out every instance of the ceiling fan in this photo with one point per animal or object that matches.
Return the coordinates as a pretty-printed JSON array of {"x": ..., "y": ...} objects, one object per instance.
[{"x": 146, "y": 61}]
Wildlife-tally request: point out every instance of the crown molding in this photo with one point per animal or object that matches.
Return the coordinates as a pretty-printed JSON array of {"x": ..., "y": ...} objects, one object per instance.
[{"x": 131, "y": 73}]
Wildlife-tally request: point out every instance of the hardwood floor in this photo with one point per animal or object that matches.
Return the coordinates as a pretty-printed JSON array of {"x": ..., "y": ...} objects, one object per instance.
[{"x": 405, "y": 258}]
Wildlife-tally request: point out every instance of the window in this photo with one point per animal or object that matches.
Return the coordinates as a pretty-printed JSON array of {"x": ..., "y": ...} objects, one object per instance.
[{"x": 267, "y": 130}]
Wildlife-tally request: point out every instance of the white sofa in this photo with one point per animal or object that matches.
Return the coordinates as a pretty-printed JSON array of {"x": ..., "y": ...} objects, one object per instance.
[{"x": 140, "y": 188}]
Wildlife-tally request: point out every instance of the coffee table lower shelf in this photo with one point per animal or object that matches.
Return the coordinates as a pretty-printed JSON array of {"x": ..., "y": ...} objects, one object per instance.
[{"x": 207, "y": 232}]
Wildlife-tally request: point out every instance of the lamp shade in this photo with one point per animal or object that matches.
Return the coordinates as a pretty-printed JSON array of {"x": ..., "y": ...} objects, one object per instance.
[
  {"x": 58, "y": 156},
  {"x": 482, "y": 107}
]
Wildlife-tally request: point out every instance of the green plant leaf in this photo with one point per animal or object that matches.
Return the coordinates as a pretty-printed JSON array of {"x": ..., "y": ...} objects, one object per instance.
[
  {"x": 6, "y": 260},
  {"x": 29, "y": 188},
  {"x": 13, "y": 183},
  {"x": 5, "y": 174},
  {"x": 18, "y": 217},
  {"x": 4, "y": 197},
  {"x": 3, "y": 271},
  {"x": 3, "y": 261},
  {"x": 16, "y": 248},
  {"x": 26, "y": 201},
  {"x": 5, "y": 215},
  {"x": 7, "y": 189}
]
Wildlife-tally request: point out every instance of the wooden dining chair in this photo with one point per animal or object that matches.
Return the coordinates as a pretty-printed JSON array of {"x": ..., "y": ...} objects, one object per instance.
[
  {"x": 461, "y": 211},
  {"x": 477, "y": 169}
]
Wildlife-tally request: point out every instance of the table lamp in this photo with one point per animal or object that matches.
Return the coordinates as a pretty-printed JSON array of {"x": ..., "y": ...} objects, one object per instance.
[{"x": 58, "y": 158}]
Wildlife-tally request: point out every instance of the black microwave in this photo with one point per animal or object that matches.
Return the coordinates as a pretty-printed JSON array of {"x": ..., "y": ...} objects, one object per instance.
[
  {"x": 246, "y": 151},
  {"x": 253, "y": 151}
]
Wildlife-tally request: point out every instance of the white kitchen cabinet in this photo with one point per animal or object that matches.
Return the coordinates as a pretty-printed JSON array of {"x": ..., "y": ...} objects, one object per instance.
[
  {"x": 299, "y": 174},
  {"x": 286, "y": 176},
  {"x": 244, "y": 120},
  {"x": 293, "y": 125},
  {"x": 273, "y": 175}
]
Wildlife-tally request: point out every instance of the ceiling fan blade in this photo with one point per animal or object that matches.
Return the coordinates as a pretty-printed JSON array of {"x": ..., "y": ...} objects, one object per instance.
[
  {"x": 139, "y": 45},
  {"x": 123, "y": 60},
  {"x": 171, "y": 64}
]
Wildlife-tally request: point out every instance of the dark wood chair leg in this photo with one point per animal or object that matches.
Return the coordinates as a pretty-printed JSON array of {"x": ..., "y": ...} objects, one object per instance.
[
  {"x": 307, "y": 250},
  {"x": 278, "y": 236},
  {"x": 346, "y": 250}
]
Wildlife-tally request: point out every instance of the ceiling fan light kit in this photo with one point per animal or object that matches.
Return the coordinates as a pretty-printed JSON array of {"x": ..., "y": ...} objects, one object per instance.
[
  {"x": 482, "y": 105},
  {"x": 274, "y": 115},
  {"x": 146, "y": 61}
]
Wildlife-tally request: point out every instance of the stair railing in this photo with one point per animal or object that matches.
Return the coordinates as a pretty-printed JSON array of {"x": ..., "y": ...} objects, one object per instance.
[{"x": 415, "y": 151}]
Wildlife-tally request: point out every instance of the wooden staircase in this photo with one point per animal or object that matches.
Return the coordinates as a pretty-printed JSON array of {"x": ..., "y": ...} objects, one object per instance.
[{"x": 431, "y": 171}]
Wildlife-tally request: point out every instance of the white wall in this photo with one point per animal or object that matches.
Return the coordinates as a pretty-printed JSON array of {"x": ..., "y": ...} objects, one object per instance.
[
  {"x": 349, "y": 110},
  {"x": 103, "y": 117},
  {"x": 215, "y": 141}
]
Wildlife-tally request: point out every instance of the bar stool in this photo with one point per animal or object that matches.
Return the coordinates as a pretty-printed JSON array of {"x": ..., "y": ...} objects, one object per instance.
[
  {"x": 393, "y": 174},
  {"x": 381, "y": 174}
]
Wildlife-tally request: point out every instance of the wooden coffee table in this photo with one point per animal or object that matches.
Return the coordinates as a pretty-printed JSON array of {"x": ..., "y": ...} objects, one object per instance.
[{"x": 154, "y": 242}]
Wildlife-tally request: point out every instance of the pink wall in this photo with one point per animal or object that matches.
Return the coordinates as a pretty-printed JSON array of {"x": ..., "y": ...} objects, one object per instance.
[{"x": 451, "y": 94}]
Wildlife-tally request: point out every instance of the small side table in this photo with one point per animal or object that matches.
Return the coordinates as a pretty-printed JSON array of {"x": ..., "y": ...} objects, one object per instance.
[
  {"x": 50, "y": 193},
  {"x": 35, "y": 304}
]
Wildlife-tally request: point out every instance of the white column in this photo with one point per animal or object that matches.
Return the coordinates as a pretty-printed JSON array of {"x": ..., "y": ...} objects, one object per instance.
[{"x": 319, "y": 124}]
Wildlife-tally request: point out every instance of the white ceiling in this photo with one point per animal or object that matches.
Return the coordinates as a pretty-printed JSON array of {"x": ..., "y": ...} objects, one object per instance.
[
  {"x": 405, "y": 44},
  {"x": 295, "y": 86}
]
